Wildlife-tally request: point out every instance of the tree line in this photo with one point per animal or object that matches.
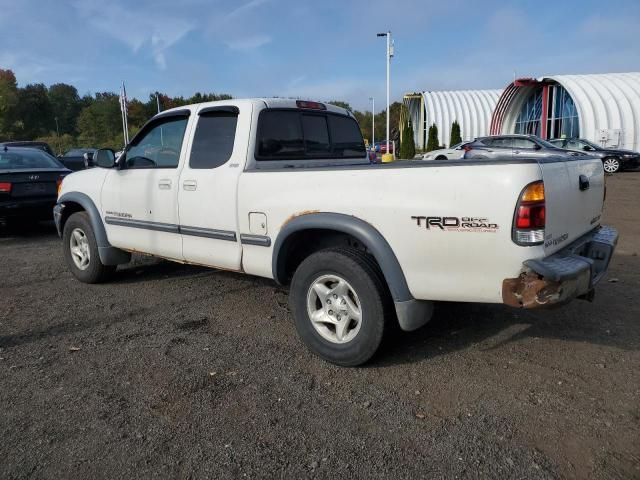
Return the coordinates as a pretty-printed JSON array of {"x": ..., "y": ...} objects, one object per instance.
[{"x": 60, "y": 116}]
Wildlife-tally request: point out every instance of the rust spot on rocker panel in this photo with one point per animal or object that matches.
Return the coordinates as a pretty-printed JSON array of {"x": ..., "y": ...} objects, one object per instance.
[{"x": 530, "y": 290}]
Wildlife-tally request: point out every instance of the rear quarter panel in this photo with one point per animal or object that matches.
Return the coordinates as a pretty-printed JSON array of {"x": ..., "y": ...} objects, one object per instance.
[{"x": 452, "y": 264}]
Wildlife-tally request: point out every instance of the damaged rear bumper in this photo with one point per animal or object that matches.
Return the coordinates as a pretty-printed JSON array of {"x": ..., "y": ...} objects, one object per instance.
[{"x": 571, "y": 272}]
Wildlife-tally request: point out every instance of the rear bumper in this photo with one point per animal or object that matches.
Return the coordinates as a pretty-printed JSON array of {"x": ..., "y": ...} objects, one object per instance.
[
  {"x": 572, "y": 272},
  {"x": 39, "y": 208}
]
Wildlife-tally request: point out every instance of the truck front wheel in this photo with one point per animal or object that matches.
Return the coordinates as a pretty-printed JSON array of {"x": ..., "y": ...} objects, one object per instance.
[
  {"x": 338, "y": 299},
  {"x": 81, "y": 250}
]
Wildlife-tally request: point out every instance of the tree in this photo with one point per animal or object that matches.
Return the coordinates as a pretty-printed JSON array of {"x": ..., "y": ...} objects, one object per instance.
[
  {"x": 100, "y": 123},
  {"x": 455, "y": 138},
  {"x": 66, "y": 106},
  {"x": 407, "y": 145},
  {"x": 432, "y": 142},
  {"x": 34, "y": 113},
  {"x": 8, "y": 103}
]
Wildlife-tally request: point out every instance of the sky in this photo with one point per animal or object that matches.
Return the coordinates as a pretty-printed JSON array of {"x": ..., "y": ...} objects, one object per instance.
[{"x": 316, "y": 49}]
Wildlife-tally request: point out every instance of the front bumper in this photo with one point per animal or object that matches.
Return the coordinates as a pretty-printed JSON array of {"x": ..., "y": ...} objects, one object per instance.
[{"x": 571, "y": 272}]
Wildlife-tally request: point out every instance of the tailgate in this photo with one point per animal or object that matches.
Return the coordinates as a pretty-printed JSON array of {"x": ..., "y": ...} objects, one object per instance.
[{"x": 574, "y": 197}]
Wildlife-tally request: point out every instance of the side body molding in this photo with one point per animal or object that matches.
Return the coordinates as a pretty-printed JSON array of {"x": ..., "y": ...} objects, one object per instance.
[
  {"x": 411, "y": 313},
  {"x": 109, "y": 255}
]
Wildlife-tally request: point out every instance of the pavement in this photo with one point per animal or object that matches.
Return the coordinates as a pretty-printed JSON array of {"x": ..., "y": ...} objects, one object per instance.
[{"x": 185, "y": 372}]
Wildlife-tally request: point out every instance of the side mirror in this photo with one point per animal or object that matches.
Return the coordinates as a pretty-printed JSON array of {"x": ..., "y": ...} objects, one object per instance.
[
  {"x": 105, "y": 158},
  {"x": 587, "y": 148},
  {"x": 536, "y": 146}
]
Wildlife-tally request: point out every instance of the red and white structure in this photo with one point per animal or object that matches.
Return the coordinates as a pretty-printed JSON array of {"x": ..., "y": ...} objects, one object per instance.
[{"x": 602, "y": 108}]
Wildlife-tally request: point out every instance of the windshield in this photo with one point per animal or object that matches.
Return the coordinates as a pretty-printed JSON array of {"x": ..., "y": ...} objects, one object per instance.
[{"x": 26, "y": 159}]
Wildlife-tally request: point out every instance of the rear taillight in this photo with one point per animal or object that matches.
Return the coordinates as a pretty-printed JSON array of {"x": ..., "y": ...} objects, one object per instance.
[
  {"x": 529, "y": 220},
  {"x": 5, "y": 187}
]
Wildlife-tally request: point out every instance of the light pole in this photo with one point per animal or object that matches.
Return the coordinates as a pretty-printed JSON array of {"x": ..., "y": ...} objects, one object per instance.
[
  {"x": 389, "y": 55},
  {"x": 58, "y": 135},
  {"x": 373, "y": 122}
]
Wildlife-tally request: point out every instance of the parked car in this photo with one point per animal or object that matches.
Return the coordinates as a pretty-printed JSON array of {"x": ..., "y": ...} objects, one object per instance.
[
  {"x": 613, "y": 159},
  {"x": 514, "y": 146},
  {"x": 453, "y": 153},
  {"x": 26, "y": 143},
  {"x": 29, "y": 181},
  {"x": 284, "y": 189},
  {"x": 78, "y": 158}
]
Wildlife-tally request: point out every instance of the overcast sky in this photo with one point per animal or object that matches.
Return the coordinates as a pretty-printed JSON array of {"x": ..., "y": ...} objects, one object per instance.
[{"x": 320, "y": 49}]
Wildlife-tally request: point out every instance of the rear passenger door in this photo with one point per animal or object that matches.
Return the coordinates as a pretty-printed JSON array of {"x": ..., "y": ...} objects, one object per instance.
[
  {"x": 207, "y": 199},
  {"x": 499, "y": 146},
  {"x": 525, "y": 148}
]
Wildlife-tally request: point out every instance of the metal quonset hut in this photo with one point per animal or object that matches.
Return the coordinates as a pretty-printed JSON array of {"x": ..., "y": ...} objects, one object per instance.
[
  {"x": 602, "y": 108},
  {"x": 471, "y": 108}
]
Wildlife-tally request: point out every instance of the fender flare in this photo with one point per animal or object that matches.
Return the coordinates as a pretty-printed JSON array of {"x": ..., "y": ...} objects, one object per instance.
[
  {"x": 364, "y": 232},
  {"x": 109, "y": 255}
]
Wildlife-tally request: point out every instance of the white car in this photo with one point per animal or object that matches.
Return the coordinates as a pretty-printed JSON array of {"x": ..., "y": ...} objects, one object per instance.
[
  {"x": 454, "y": 153},
  {"x": 283, "y": 189}
]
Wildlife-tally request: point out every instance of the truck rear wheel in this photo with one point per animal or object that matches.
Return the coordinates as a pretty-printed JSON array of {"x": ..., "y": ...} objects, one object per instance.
[
  {"x": 338, "y": 299},
  {"x": 81, "y": 250}
]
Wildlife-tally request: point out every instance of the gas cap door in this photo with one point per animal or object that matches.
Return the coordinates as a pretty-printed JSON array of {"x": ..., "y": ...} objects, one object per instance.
[{"x": 257, "y": 223}]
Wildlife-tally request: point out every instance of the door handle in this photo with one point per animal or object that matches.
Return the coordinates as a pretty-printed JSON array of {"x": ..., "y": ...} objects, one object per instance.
[
  {"x": 190, "y": 185},
  {"x": 516, "y": 151},
  {"x": 164, "y": 184}
]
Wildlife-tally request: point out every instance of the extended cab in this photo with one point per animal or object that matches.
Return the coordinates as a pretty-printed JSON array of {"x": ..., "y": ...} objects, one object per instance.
[{"x": 284, "y": 189}]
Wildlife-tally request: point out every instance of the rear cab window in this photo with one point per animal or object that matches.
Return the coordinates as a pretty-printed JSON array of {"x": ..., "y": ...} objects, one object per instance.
[{"x": 305, "y": 136}]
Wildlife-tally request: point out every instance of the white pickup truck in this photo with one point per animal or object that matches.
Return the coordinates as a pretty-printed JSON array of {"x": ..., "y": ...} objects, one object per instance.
[{"x": 283, "y": 189}]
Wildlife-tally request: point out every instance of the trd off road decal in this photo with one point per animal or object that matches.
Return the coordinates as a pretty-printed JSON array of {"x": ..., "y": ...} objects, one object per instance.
[{"x": 457, "y": 224}]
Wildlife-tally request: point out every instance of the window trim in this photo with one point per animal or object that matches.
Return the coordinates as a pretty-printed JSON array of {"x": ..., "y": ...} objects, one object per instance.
[{"x": 260, "y": 159}]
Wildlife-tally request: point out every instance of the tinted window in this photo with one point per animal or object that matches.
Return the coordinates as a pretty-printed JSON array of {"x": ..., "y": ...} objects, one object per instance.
[
  {"x": 498, "y": 142},
  {"x": 523, "y": 143},
  {"x": 316, "y": 135},
  {"x": 15, "y": 160},
  {"x": 213, "y": 140},
  {"x": 280, "y": 135},
  {"x": 160, "y": 146},
  {"x": 346, "y": 137},
  {"x": 284, "y": 134}
]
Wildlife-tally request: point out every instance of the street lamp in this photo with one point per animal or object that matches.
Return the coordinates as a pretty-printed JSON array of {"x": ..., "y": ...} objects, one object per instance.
[
  {"x": 389, "y": 55},
  {"x": 373, "y": 122}
]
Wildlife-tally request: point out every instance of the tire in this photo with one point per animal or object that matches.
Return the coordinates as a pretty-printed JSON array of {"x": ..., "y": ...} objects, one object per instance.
[
  {"x": 441, "y": 157},
  {"x": 86, "y": 266},
  {"x": 363, "y": 291},
  {"x": 611, "y": 164}
]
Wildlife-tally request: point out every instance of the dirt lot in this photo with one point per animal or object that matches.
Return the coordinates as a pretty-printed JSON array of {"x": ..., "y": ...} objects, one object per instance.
[{"x": 183, "y": 372}]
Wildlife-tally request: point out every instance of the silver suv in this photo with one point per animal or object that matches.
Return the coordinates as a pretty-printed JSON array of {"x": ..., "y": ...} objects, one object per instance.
[{"x": 502, "y": 147}]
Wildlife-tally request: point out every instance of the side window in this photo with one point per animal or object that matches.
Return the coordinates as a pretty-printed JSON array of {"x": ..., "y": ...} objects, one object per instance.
[
  {"x": 523, "y": 143},
  {"x": 574, "y": 145},
  {"x": 160, "y": 146},
  {"x": 501, "y": 142},
  {"x": 213, "y": 140},
  {"x": 280, "y": 135}
]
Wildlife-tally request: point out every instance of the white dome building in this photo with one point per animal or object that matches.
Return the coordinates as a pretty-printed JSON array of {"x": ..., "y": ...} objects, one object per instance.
[
  {"x": 603, "y": 108},
  {"x": 471, "y": 108}
]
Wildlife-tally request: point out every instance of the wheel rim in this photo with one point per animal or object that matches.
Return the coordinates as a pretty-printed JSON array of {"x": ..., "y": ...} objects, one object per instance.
[
  {"x": 611, "y": 165},
  {"x": 334, "y": 309},
  {"x": 79, "y": 247}
]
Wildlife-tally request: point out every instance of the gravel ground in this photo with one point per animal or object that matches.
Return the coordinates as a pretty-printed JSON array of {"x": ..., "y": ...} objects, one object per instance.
[{"x": 183, "y": 372}]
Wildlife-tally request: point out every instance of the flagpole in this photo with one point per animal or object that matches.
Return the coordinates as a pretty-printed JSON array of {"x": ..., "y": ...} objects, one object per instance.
[
  {"x": 124, "y": 123},
  {"x": 126, "y": 119}
]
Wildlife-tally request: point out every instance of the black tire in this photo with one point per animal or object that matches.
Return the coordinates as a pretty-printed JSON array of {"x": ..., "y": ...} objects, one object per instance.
[
  {"x": 611, "y": 164},
  {"x": 441, "y": 157},
  {"x": 363, "y": 274},
  {"x": 95, "y": 272}
]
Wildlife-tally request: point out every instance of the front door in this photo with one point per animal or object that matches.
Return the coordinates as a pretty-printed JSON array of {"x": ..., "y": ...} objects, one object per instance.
[
  {"x": 207, "y": 195},
  {"x": 140, "y": 199}
]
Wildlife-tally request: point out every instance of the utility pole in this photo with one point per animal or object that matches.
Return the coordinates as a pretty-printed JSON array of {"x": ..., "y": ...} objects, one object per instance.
[
  {"x": 373, "y": 122},
  {"x": 389, "y": 55},
  {"x": 58, "y": 135}
]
